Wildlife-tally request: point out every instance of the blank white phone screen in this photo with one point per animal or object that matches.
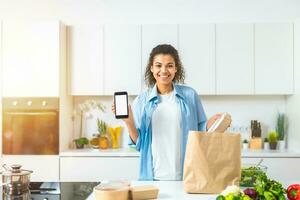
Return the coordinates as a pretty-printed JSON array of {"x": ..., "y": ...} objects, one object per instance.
[{"x": 121, "y": 104}]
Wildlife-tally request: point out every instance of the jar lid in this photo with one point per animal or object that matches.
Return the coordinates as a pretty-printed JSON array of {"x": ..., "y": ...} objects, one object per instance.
[{"x": 15, "y": 170}]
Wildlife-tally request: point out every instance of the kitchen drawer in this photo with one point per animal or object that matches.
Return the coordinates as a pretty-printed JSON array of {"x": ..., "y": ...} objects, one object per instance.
[{"x": 98, "y": 168}]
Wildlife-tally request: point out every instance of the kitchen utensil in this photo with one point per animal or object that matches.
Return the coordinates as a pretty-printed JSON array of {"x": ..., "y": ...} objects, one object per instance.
[
  {"x": 260, "y": 161},
  {"x": 15, "y": 180}
]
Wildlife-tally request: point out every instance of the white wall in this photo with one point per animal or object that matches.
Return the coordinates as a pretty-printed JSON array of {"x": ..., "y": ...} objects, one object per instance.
[
  {"x": 155, "y": 11},
  {"x": 243, "y": 108}
]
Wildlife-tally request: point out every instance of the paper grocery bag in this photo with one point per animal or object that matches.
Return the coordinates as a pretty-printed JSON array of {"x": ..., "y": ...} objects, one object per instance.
[{"x": 212, "y": 162}]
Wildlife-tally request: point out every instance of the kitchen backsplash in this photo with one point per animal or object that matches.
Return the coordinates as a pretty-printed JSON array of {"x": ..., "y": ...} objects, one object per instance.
[{"x": 242, "y": 108}]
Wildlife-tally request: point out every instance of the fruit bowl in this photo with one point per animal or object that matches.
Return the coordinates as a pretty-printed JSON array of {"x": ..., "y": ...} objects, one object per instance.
[{"x": 249, "y": 172}]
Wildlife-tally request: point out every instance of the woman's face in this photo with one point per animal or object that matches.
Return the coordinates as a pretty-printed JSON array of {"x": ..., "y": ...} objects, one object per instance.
[{"x": 163, "y": 69}]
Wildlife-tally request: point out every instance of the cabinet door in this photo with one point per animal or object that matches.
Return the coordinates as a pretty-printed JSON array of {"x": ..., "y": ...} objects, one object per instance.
[
  {"x": 153, "y": 35},
  {"x": 1, "y": 78},
  {"x": 197, "y": 50},
  {"x": 274, "y": 58},
  {"x": 234, "y": 59},
  {"x": 122, "y": 59},
  {"x": 31, "y": 59},
  {"x": 85, "y": 44},
  {"x": 45, "y": 168},
  {"x": 99, "y": 168}
]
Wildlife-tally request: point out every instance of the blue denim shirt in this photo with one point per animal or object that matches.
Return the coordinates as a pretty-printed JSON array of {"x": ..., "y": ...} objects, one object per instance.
[{"x": 192, "y": 115}]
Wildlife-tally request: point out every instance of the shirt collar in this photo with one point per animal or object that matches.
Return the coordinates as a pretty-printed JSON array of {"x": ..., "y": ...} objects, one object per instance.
[{"x": 154, "y": 93}]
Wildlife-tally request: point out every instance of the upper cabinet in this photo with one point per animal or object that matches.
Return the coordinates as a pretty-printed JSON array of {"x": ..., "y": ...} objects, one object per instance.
[
  {"x": 153, "y": 35},
  {"x": 196, "y": 45},
  {"x": 219, "y": 59},
  {"x": 0, "y": 87},
  {"x": 31, "y": 59},
  {"x": 234, "y": 59},
  {"x": 0, "y": 66},
  {"x": 274, "y": 58},
  {"x": 122, "y": 59},
  {"x": 85, "y": 59}
]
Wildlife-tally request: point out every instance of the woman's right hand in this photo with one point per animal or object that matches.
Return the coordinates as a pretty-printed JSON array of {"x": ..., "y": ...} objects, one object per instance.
[
  {"x": 129, "y": 123},
  {"x": 129, "y": 120}
]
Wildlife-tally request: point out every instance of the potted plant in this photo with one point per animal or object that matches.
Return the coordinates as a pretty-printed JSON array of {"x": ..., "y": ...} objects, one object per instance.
[
  {"x": 280, "y": 129},
  {"x": 83, "y": 109},
  {"x": 266, "y": 143},
  {"x": 103, "y": 140},
  {"x": 245, "y": 144},
  {"x": 273, "y": 137},
  {"x": 80, "y": 142}
]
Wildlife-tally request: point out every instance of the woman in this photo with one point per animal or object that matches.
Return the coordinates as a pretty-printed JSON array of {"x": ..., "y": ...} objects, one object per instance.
[{"x": 162, "y": 116}]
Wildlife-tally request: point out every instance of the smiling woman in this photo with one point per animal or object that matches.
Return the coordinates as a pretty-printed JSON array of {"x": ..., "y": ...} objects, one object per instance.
[
  {"x": 167, "y": 55},
  {"x": 162, "y": 116}
]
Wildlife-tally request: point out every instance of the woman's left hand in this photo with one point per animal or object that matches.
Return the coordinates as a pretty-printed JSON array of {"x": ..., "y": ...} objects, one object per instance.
[{"x": 212, "y": 120}]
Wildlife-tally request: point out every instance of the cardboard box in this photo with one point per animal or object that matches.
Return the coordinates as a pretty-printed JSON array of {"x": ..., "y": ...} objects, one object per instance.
[
  {"x": 221, "y": 124},
  {"x": 143, "y": 192}
]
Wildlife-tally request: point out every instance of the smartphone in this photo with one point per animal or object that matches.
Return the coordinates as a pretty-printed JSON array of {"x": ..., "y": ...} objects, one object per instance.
[{"x": 121, "y": 105}]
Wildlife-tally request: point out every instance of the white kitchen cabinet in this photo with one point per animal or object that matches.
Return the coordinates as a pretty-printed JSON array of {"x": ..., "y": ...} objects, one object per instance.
[
  {"x": 122, "y": 58},
  {"x": 45, "y": 168},
  {"x": 279, "y": 168},
  {"x": 234, "y": 59},
  {"x": 31, "y": 59},
  {"x": 98, "y": 168},
  {"x": 85, "y": 59},
  {"x": 1, "y": 88},
  {"x": 274, "y": 58},
  {"x": 153, "y": 35},
  {"x": 196, "y": 44}
]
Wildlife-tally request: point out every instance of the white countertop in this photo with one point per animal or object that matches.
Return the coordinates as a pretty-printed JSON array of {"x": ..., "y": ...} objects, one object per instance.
[
  {"x": 174, "y": 190},
  {"x": 131, "y": 152},
  {"x": 122, "y": 152},
  {"x": 286, "y": 153},
  {"x": 169, "y": 190}
]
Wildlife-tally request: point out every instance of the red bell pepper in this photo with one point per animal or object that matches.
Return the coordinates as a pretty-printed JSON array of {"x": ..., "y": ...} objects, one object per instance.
[{"x": 293, "y": 192}]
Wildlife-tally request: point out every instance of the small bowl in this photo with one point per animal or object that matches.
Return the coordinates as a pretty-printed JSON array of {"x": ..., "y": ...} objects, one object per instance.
[{"x": 249, "y": 172}]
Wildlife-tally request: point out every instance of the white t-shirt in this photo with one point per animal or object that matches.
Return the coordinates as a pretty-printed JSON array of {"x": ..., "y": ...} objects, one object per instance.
[{"x": 166, "y": 137}]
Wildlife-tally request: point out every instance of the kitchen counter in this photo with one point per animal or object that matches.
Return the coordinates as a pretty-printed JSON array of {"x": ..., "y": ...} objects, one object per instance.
[
  {"x": 286, "y": 153},
  {"x": 89, "y": 152},
  {"x": 170, "y": 190},
  {"x": 131, "y": 152}
]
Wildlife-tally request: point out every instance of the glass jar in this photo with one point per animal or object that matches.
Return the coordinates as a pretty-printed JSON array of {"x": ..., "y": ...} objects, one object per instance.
[{"x": 95, "y": 141}]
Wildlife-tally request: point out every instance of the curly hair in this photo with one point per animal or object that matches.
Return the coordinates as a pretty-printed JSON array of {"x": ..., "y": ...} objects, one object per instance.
[{"x": 165, "y": 49}]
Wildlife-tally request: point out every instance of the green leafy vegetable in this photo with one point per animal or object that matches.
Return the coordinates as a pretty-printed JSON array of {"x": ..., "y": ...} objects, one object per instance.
[
  {"x": 268, "y": 189},
  {"x": 249, "y": 175}
]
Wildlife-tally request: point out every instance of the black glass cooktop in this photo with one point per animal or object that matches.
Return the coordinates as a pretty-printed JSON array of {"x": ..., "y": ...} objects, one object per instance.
[{"x": 55, "y": 191}]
